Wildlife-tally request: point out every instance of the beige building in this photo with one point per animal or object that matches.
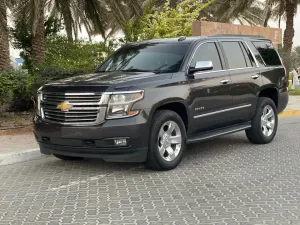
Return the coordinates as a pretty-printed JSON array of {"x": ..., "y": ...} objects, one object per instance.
[{"x": 204, "y": 28}]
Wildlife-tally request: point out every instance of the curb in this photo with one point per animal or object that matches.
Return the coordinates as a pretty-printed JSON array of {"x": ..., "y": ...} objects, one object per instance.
[
  {"x": 16, "y": 157},
  {"x": 290, "y": 113}
]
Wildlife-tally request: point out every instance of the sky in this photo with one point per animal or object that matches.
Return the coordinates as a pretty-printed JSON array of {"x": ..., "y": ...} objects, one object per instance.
[
  {"x": 296, "y": 27},
  {"x": 15, "y": 52}
]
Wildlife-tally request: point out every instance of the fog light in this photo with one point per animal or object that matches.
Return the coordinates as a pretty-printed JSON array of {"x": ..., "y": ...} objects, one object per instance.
[{"x": 120, "y": 142}]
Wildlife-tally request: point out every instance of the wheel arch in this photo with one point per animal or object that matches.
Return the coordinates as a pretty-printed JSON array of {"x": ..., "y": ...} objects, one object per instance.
[
  {"x": 269, "y": 91},
  {"x": 177, "y": 105}
]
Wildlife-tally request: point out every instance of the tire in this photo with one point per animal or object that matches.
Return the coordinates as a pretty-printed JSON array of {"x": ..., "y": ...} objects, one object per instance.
[
  {"x": 261, "y": 131},
  {"x": 67, "y": 158},
  {"x": 161, "y": 136}
]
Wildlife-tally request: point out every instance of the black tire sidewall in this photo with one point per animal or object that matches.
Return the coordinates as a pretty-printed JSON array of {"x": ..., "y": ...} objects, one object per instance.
[
  {"x": 159, "y": 119},
  {"x": 67, "y": 158},
  {"x": 256, "y": 123}
]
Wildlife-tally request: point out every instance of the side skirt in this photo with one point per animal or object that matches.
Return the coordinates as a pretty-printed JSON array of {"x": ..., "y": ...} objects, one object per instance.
[{"x": 219, "y": 132}]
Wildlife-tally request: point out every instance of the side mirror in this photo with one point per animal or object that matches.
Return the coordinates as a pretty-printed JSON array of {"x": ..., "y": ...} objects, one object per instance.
[{"x": 202, "y": 66}]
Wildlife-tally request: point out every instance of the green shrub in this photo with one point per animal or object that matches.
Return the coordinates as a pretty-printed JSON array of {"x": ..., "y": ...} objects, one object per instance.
[
  {"x": 63, "y": 59},
  {"x": 15, "y": 90},
  {"x": 18, "y": 88},
  {"x": 77, "y": 55}
]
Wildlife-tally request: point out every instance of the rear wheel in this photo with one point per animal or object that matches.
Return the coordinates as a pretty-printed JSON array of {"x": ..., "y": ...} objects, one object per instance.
[
  {"x": 264, "y": 123},
  {"x": 167, "y": 141},
  {"x": 67, "y": 158}
]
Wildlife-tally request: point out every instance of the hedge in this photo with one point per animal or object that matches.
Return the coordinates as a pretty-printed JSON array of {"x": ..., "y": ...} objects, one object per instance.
[{"x": 18, "y": 88}]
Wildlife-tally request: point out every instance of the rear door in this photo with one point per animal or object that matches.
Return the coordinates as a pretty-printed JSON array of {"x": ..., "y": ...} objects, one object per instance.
[
  {"x": 272, "y": 70},
  {"x": 245, "y": 78},
  {"x": 209, "y": 90}
]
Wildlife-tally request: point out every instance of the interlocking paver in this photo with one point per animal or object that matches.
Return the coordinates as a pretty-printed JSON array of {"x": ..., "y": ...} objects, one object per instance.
[{"x": 225, "y": 181}]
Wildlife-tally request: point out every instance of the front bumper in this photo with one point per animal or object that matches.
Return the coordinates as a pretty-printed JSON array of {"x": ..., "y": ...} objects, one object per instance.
[{"x": 95, "y": 141}]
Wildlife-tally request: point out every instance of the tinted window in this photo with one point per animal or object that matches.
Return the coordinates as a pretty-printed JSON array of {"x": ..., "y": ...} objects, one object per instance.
[
  {"x": 267, "y": 52},
  {"x": 234, "y": 55},
  {"x": 248, "y": 56},
  {"x": 146, "y": 57},
  {"x": 207, "y": 52}
]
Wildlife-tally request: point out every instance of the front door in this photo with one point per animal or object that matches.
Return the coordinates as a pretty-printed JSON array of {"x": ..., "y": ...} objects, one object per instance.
[{"x": 210, "y": 91}]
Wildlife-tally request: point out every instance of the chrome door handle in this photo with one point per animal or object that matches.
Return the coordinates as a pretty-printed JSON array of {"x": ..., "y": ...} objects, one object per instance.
[
  {"x": 255, "y": 76},
  {"x": 224, "y": 81}
]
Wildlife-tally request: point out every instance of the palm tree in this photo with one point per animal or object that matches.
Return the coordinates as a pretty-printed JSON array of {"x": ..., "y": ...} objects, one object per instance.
[
  {"x": 32, "y": 12},
  {"x": 286, "y": 9},
  {"x": 246, "y": 12},
  {"x": 289, "y": 33},
  {"x": 4, "y": 37},
  {"x": 274, "y": 9},
  {"x": 74, "y": 13},
  {"x": 121, "y": 13},
  {"x": 38, "y": 38},
  {"x": 92, "y": 14}
]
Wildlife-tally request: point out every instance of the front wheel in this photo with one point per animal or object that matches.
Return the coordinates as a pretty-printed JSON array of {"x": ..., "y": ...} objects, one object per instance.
[
  {"x": 167, "y": 141},
  {"x": 264, "y": 123}
]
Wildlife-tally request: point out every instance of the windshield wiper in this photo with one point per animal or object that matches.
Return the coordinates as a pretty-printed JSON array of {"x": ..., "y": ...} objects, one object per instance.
[
  {"x": 163, "y": 71},
  {"x": 136, "y": 70}
]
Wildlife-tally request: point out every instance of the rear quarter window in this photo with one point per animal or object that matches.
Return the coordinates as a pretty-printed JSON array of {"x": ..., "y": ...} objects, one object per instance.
[{"x": 267, "y": 52}]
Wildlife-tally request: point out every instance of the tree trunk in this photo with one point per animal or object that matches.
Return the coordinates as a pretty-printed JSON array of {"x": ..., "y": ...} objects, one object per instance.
[
  {"x": 4, "y": 40},
  {"x": 289, "y": 34},
  {"x": 69, "y": 29},
  {"x": 268, "y": 16},
  {"x": 279, "y": 22},
  {"x": 38, "y": 39},
  {"x": 67, "y": 16}
]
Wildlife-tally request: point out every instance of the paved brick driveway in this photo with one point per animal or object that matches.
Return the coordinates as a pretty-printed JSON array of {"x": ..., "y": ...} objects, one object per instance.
[{"x": 222, "y": 181}]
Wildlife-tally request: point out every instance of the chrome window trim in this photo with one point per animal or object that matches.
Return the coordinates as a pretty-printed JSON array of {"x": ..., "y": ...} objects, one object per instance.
[
  {"x": 190, "y": 61},
  {"x": 224, "y": 110},
  {"x": 215, "y": 71},
  {"x": 243, "y": 41},
  {"x": 224, "y": 70},
  {"x": 251, "y": 52}
]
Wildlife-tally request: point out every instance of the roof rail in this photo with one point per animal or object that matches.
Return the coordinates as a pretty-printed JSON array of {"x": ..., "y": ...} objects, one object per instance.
[{"x": 237, "y": 35}]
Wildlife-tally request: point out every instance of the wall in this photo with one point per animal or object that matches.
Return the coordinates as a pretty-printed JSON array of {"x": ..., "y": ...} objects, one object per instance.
[{"x": 204, "y": 28}]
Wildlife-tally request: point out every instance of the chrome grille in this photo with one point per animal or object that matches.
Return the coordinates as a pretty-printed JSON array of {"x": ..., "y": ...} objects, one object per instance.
[{"x": 85, "y": 108}]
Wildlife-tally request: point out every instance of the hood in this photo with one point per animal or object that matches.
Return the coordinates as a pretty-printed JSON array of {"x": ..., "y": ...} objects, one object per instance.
[
  {"x": 106, "y": 81},
  {"x": 105, "y": 78}
]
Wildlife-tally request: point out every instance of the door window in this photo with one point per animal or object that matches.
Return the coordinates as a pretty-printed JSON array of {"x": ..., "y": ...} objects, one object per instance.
[
  {"x": 267, "y": 52},
  {"x": 234, "y": 54},
  {"x": 249, "y": 58},
  {"x": 207, "y": 52}
]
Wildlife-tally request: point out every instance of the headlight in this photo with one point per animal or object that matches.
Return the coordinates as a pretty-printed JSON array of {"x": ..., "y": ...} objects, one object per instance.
[
  {"x": 119, "y": 105},
  {"x": 39, "y": 99}
]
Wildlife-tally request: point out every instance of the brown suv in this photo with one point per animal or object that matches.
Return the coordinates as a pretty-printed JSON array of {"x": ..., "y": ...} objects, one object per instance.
[{"x": 149, "y": 99}]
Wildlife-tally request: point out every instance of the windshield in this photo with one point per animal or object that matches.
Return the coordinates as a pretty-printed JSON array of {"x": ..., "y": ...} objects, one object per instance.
[{"x": 152, "y": 57}]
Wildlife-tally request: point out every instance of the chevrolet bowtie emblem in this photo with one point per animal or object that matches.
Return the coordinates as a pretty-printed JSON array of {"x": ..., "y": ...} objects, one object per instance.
[{"x": 64, "y": 106}]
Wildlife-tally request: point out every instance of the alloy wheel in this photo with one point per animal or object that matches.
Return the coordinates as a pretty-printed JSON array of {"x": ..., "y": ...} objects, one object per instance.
[{"x": 169, "y": 141}]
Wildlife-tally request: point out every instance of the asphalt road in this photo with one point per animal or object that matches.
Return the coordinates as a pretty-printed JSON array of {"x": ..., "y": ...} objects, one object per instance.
[{"x": 222, "y": 181}]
